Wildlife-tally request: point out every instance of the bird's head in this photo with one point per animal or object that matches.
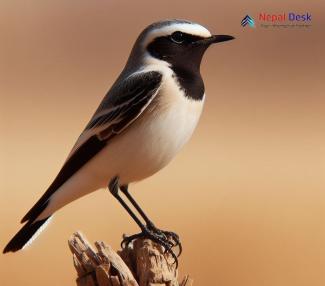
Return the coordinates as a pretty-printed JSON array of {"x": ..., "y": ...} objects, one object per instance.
[{"x": 177, "y": 43}]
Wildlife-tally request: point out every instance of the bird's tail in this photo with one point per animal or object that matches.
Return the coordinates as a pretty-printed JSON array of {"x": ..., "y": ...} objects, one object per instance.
[{"x": 26, "y": 235}]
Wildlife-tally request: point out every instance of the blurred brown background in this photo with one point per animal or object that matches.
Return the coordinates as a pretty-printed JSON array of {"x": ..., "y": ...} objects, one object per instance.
[{"x": 247, "y": 193}]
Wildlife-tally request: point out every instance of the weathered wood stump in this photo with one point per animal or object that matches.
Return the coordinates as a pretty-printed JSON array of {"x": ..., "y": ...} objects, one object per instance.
[{"x": 142, "y": 263}]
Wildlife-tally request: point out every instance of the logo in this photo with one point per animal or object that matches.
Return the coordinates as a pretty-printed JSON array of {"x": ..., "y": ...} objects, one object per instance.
[
  {"x": 248, "y": 20},
  {"x": 278, "y": 20}
]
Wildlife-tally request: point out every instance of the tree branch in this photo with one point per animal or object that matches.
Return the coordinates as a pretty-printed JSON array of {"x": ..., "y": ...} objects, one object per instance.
[{"x": 142, "y": 263}]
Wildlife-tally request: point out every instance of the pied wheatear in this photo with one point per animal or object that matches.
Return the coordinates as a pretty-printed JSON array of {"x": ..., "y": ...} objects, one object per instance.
[{"x": 146, "y": 117}]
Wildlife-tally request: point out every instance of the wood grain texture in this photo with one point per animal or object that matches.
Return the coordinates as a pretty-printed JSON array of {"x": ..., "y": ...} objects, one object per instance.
[{"x": 142, "y": 263}]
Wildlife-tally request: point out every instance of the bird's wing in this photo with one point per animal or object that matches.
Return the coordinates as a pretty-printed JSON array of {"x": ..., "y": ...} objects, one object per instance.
[
  {"x": 120, "y": 108},
  {"x": 125, "y": 104}
]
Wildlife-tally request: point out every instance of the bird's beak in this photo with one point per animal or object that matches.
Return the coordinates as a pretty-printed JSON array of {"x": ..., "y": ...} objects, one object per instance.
[
  {"x": 215, "y": 39},
  {"x": 220, "y": 38}
]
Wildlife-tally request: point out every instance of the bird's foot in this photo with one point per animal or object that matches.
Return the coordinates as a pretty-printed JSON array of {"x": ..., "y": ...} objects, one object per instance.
[
  {"x": 172, "y": 237},
  {"x": 167, "y": 239}
]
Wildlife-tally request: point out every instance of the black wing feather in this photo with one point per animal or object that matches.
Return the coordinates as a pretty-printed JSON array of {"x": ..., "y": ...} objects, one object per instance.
[{"x": 124, "y": 95}]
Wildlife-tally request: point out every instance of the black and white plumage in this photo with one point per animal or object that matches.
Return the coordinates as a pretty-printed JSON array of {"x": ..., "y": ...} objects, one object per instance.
[{"x": 146, "y": 117}]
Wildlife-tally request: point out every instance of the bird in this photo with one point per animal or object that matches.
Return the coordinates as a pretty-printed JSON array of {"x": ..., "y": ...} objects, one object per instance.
[{"x": 143, "y": 121}]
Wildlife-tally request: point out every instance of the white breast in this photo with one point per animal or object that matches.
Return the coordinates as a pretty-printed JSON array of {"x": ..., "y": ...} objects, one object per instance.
[
  {"x": 178, "y": 116},
  {"x": 160, "y": 133}
]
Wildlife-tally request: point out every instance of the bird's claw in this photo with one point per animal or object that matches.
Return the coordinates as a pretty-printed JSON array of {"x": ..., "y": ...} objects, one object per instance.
[
  {"x": 167, "y": 239},
  {"x": 171, "y": 237}
]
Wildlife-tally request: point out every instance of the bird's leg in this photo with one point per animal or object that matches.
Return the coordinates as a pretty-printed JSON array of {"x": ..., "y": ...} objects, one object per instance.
[
  {"x": 149, "y": 223},
  {"x": 114, "y": 188},
  {"x": 148, "y": 230},
  {"x": 125, "y": 191}
]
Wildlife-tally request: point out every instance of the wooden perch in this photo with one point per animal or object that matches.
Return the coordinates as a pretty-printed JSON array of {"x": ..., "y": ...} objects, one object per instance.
[{"x": 142, "y": 263}]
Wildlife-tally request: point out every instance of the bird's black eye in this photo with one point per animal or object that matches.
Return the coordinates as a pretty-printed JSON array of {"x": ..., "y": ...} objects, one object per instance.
[{"x": 177, "y": 37}]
